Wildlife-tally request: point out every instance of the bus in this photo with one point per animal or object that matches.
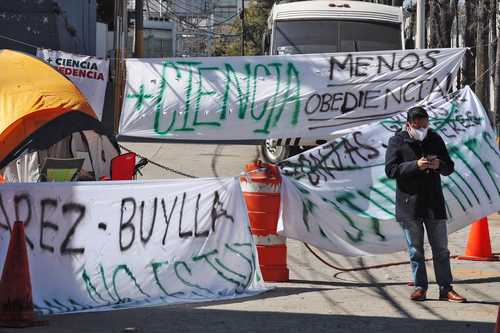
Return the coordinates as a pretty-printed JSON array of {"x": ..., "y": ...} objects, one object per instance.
[{"x": 327, "y": 26}]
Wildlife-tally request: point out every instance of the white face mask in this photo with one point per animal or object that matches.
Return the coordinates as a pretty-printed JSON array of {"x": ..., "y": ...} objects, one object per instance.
[{"x": 418, "y": 134}]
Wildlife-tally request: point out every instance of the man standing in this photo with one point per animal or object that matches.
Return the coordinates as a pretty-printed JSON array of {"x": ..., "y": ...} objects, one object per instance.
[{"x": 417, "y": 157}]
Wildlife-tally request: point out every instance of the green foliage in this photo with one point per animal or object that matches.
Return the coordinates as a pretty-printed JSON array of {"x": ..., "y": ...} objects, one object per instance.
[{"x": 255, "y": 26}]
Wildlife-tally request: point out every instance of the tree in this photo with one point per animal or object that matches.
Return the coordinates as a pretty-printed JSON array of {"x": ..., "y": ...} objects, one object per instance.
[
  {"x": 470, "y": 41},
  {"x": 482, "y": 56},
  {"x": 493, "y": 31},
  {"x": 255, "y": 26},
  {"x": 441, "y": 14}
]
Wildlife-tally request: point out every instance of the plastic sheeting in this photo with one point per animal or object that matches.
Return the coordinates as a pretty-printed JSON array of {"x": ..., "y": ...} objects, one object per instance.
[
  {"x": 337, "y": 196},
  {"x": 105, "y": 245},
  {"x": 254, "y": 98}
]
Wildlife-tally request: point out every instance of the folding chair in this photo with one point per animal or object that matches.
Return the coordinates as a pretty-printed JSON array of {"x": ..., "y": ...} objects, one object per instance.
[{"x": 60, "y": 169}]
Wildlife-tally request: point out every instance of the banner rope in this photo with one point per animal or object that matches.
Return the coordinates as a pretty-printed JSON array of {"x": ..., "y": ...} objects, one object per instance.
[
  {"x": 364, "y": 268},
  {"x": 164, "y": 167}
]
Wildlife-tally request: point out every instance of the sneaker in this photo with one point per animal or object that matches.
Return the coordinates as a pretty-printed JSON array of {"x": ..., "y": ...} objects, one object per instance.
[{"x": 418, "y": 295}]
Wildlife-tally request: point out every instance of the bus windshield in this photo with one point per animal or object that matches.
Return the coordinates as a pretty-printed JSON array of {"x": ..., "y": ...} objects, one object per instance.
[{"x": 328, "y": 36}]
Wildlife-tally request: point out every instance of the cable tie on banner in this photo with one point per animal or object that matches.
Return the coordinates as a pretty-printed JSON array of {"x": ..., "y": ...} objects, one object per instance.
[
  {"x": 257, "y": 170},
  {"x": 246, "y": 176}
]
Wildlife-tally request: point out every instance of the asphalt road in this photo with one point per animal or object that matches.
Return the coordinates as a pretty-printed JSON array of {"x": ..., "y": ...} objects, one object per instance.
[
  {"x": 196, "y": 160},
  {"x": 318, "y": 298}
]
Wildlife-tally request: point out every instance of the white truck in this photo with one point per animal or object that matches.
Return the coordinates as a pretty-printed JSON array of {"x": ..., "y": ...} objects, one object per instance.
[{"x": 327, "y": 26}]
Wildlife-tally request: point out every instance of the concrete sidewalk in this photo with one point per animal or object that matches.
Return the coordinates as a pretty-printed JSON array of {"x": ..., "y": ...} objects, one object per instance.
[{"x": 321, "y": 299}]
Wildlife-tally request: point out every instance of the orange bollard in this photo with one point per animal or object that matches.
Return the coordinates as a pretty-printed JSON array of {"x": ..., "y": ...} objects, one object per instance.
[
  {"x": 16, "y": 303},
  {"x": 479, "y": 245},
  {"x": 261, "y": 190}
]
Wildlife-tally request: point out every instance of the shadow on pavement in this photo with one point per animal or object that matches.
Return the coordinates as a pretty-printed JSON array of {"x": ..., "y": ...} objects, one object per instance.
[
  {"x": 170, "y": 319},
  {"x": 271, "y": 293},
  {"x": 346, "y": 283}
]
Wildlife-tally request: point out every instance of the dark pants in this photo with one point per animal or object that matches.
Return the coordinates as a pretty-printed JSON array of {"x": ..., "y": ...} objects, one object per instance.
[{"x": 438, "y": 239}]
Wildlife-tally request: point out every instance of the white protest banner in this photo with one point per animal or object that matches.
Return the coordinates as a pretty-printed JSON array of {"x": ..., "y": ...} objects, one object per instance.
[
  {"x": 104, "y": 245},
  {"x": 254, "y": 98},
  {"x": 337, "y": 196},
  {"x": 89, "y": 74}
]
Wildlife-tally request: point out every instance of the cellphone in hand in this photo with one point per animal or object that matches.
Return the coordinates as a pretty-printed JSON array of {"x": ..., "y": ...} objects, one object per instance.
[{"x": 430, "y": 157}]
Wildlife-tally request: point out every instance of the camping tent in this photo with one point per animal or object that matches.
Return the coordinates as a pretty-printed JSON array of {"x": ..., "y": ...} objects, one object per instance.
[{"x": 42, "y": 114}]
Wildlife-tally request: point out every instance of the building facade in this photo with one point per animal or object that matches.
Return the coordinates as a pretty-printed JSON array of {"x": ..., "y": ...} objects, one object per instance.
[{"x": 67, "y": 25}]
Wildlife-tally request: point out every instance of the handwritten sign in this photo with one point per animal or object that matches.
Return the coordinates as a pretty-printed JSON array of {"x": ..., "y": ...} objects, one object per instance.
[
  {"x": 253, "y": 98},
  {"x": 89, "y": 74},
  {"x": 99, "y": 246},
  {"x": 337, "y": 197}
]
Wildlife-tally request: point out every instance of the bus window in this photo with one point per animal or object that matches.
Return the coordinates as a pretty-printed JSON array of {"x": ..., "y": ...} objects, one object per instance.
[
  {"x": 299, "y": 37},
  {"x": 322, "y": 36},
  {"x": 369, "y": 36}
]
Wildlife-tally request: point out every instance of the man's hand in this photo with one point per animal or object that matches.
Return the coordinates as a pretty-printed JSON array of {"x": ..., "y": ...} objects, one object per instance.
[
  {"x": 423, "y": 163},
  {"x": 434, "y": 164}
]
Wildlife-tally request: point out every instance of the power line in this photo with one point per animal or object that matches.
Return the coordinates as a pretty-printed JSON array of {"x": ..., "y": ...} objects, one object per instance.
[
  {"x": 194, "y": 26},
  {"x": 186, "y": 6},
  {"x": 200, "y": 9},
  {"x": 217, "y": 23},
  {"x": 226, "y": 20},
  {"x": 212, "y": 9},
  {"x": 18, "y": 41},
  {"x": 176, "y": 4},
  {"x": 196, "y": 22}
]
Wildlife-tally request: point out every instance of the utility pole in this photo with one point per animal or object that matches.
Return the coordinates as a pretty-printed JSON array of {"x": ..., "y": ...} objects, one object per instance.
[
  {"x": 119, "y": 41},
  {"x": 242, "y": 17},
  {"x": 139, "y": 29}
]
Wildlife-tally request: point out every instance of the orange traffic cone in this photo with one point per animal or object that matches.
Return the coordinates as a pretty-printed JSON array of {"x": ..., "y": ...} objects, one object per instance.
[
  {"x": 478, "y": 245},
  {"x": 16, "y": 304}
]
